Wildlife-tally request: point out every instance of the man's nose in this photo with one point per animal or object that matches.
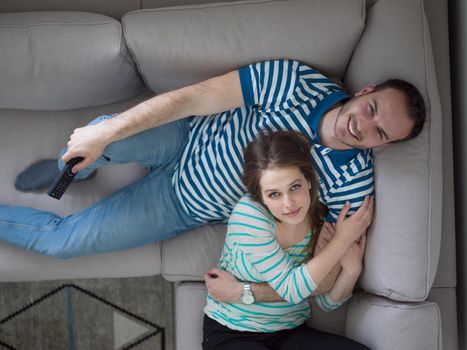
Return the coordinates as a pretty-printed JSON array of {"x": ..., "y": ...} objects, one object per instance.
[{"x": 365, "y": 124}]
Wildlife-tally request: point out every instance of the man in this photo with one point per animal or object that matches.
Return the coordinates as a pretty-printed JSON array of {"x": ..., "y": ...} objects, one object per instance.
[{"x": 192, "y": 141}]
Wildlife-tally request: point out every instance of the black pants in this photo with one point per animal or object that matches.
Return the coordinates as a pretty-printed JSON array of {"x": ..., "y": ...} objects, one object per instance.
[{"x": 219, "y": 337}]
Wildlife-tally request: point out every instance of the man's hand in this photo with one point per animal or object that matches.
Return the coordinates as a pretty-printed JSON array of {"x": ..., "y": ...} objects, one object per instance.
[
  {"x": 352, "y": 261},
  {"x": 351, "y": 228},
  {"x": 222, "y": 286},
  {"x": 88, "y": 142},
  {"x": 325, "y": 236}
]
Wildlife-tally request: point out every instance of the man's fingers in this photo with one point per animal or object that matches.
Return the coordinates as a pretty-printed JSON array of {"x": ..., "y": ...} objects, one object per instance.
[
  {"x": 344, "y": 211},
  {"x": 368, "y": 215},
  {"x": 80, "y": 166},
  {"x": 362, "y": 242},
  {"x": 207, "y": 278},
  {"x": 363, "y": 208}
]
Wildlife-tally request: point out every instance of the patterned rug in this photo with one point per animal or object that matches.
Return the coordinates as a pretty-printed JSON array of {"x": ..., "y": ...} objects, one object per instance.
[{"x": 114, "y": 314}]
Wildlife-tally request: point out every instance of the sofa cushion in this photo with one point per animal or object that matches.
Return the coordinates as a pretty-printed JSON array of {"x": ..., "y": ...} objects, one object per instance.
[
  {"x": 177, "y": 46},
  {"x": 20, "y": 265},
  {"x": 63, "y": 60},
  {"x": 404, "y": 241},
  {"x": 384, "y": 324},
  {"x": 39, "y": 135},
  {"x": 189, "y": 256}
]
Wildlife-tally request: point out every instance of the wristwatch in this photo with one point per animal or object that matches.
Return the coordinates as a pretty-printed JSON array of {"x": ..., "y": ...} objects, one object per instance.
[{"x": 247, "y": 297}]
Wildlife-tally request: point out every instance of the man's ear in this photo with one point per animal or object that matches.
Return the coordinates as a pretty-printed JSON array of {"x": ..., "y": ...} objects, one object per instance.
[{"x": 366, "y": 90}]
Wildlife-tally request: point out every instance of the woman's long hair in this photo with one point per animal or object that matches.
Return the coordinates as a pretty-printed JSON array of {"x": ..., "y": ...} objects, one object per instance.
[{"x": 284, "y": 149}]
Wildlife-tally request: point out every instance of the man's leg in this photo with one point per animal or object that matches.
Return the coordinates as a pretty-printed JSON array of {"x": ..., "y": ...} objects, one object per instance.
[
  {"x": 155, "y": 148},
  {"x": 142, "y": 212}
]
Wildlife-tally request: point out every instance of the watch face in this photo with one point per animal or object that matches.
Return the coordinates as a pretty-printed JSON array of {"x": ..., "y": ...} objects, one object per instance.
[{"x": 248, "y": 299}]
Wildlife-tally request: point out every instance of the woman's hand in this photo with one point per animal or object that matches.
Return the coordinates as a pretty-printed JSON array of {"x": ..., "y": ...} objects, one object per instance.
[
  {"x": 352, "y": 261},
  {"x": 353, "y": 227},
  {"x": 88, "y": 142}
]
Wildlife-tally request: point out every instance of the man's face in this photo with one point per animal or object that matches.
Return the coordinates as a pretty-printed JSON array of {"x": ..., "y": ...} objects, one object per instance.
[{"x": 372, "y": 119}]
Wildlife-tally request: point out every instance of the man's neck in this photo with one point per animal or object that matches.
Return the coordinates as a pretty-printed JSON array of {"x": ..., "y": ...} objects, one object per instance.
[{"x": 326, "y": 131}]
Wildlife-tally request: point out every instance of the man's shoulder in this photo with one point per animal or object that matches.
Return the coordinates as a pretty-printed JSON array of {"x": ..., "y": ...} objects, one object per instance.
[{"x": 342, "y": 169}]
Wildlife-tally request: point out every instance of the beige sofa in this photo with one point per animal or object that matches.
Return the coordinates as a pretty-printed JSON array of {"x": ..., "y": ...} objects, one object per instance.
[{"x": 61, "y": 69}]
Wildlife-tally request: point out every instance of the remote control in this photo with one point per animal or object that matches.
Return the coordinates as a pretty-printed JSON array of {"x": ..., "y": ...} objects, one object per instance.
[{"x": 64, "y": 179}]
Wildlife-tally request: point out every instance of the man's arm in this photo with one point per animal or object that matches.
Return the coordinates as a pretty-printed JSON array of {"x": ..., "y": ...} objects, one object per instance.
[
  {"x": 211, "y": 96},
  {"x": 352, "y": 265}
]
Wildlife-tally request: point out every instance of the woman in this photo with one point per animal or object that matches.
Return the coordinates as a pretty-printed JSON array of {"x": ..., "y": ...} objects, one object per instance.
[{"x": 270, "y": 238}]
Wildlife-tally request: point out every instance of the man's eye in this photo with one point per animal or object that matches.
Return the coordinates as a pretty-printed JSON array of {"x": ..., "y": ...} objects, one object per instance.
[
  {"x": 295, "y": 187},
  {"x": 372, "y": 110},
  {"x": 274, "y": 195},
  {"x": 380, "y": 132}
]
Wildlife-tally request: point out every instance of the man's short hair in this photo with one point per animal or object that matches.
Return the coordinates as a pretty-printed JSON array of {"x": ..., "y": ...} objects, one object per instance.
[{"x": 415, "y": 103}]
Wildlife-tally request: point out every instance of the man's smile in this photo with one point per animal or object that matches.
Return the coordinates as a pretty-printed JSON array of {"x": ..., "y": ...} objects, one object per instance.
[{"x": 351, "y": 129}]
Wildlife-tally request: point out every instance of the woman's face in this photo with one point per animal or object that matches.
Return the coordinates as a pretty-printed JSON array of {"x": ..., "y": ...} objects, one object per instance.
[{"x": 285, "y": 191}]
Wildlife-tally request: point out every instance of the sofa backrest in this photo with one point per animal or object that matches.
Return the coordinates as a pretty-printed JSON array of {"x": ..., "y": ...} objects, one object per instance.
[
  {"x": 177, "y": 46},
  {"x": 63, "y": 60},
  {"x": 404, "y": 241}
]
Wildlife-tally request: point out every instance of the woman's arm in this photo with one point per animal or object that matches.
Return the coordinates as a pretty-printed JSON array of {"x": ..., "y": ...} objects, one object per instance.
[
  {"x": 351, "y": 269},
  {"x": 224, "y": 287},
  {"x": 352, "y": 265},
  {"x": 252, "y": 234},
  {"x": 212, "y": 96},
  {"x": 347, "y": 232}
]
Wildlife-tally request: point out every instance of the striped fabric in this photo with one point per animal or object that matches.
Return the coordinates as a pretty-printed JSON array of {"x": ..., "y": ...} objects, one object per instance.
[
  {"x": 251, "y": 253},
  {"x": 278, "y": 95}
]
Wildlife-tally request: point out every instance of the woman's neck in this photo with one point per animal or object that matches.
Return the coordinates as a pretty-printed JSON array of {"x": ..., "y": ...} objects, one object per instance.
[{"x": 290, "y": 234}]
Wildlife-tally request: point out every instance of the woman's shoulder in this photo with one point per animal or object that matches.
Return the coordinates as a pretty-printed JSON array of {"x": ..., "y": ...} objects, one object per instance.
[
  {"x": 249, "y": 210},
  {"x": 248, "y": 205}
]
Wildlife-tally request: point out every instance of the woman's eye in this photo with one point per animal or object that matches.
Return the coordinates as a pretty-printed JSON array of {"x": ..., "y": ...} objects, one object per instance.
[
  {"x": 274, "y": 195},
  {"x": 295, "y": 187}
]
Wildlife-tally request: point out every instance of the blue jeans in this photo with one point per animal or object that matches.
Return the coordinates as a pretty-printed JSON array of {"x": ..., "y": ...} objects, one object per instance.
[{"x": 145, "y": 211}]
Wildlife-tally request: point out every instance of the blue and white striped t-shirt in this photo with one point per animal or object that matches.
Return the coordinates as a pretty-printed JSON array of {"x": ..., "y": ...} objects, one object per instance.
[
  {"x": 252, "y": 253},
  {"x": 278, "y": 95}
]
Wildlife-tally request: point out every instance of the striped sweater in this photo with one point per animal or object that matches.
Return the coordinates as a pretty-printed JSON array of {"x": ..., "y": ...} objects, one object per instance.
[
  {"x": 278, "y": 95},
  {"x": 252, "y": 253}
]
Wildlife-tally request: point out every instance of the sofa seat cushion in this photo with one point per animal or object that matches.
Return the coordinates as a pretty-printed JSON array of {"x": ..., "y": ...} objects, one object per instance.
[
  {"x": 41, "y": 134},
  {"x": 383, "y": 324}
]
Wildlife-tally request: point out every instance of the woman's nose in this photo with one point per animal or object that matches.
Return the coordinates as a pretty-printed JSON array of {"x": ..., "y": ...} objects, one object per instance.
[{"x": 288, "y": 201}]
